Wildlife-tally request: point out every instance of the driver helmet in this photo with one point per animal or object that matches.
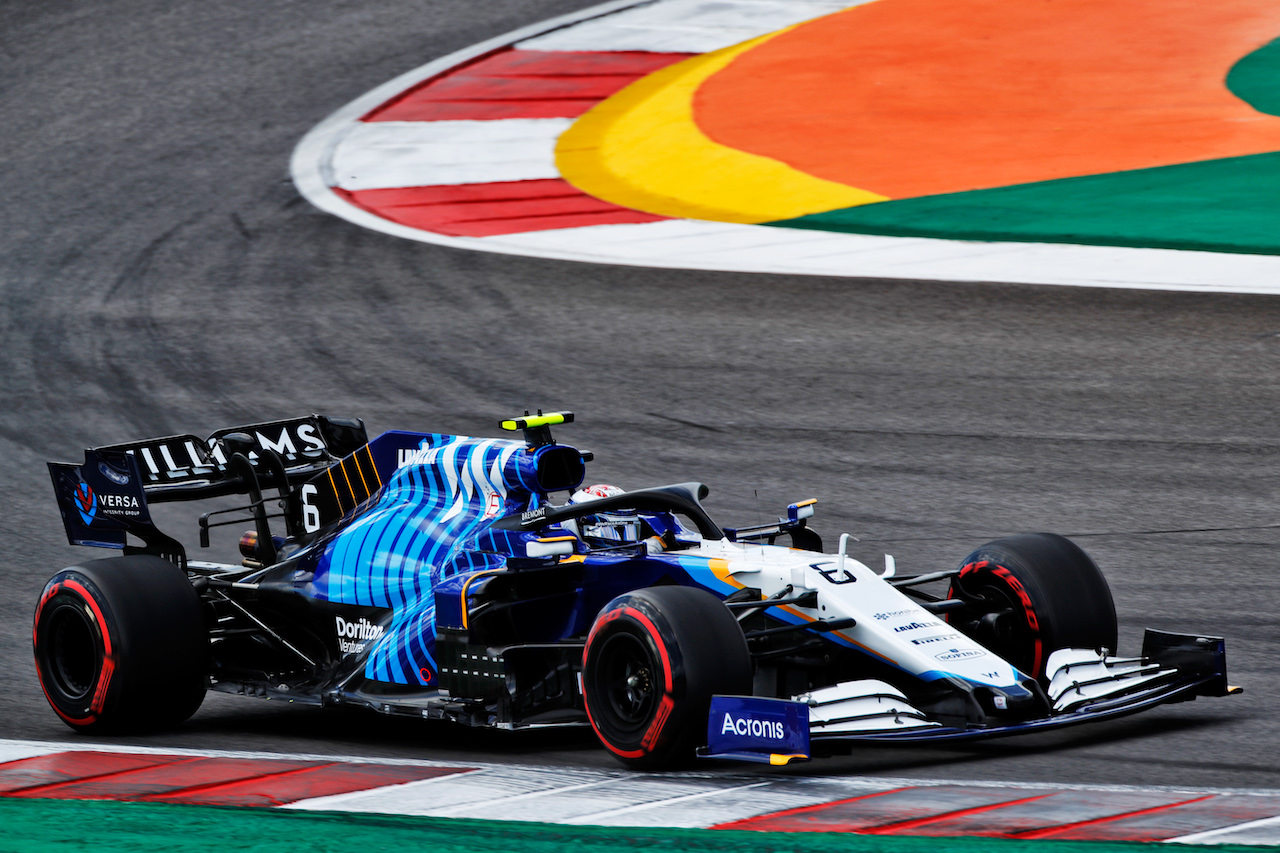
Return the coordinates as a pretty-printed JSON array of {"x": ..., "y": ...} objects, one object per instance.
[{"x": 614, "y": 527}]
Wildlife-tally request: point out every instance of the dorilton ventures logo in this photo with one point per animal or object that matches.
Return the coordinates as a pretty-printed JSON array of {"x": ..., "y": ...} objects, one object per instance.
[{"x": 353, "y": 636}]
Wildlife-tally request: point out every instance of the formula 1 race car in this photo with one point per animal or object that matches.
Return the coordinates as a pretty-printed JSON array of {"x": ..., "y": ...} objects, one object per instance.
[{"x": 434, "y": 576}]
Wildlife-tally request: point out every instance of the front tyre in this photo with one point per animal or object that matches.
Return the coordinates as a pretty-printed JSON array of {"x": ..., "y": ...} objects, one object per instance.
[
  {"x": 652, "y": 662},
  {"x": 120, "y": 644},
  {"x": 1033, "y": 594}
]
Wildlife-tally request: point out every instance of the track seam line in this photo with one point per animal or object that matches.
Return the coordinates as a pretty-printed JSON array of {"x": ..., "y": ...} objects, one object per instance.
[
  {"x": 1032, "y": 834},
  {"x": 912, "y": 823},
  {"x": 734, "y": 824},
  {"x": 639, "y": 807},
  {"x": 97, "y": 777}
]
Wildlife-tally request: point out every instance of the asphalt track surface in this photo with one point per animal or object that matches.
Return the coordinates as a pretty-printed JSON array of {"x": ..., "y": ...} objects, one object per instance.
[{"x": 161, "y": 274}]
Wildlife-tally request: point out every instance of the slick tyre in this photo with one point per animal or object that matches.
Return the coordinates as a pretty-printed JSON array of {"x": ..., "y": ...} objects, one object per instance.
[
  {"x": 1033, "y": 594},
  {"x": 121, "y": 645},
  {"x": 652, "y": 662}
]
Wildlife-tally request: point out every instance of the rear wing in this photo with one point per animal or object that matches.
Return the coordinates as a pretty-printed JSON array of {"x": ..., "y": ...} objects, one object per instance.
[{"x": 106, "y": 497}]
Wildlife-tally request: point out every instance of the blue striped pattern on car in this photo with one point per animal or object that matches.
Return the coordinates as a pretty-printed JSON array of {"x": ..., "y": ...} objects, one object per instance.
[{"x": 393, "y": 554}]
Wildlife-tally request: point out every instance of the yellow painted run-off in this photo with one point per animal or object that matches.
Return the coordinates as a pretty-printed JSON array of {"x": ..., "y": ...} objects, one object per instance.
[{"x": 642, "y": 149}]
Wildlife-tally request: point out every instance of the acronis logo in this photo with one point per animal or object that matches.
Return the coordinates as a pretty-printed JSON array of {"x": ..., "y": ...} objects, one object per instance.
[
  {"x": 749, "y": 727},
  {"x": 86, "y": 503}
]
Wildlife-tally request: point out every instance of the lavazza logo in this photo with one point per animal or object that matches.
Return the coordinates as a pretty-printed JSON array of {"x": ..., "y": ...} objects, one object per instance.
[
  {"x": 353, "y": 636},
  {"x": 746, "y": 726}
]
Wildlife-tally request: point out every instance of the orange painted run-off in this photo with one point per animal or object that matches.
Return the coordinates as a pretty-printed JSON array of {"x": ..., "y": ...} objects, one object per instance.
[{"x": 922, "y": 97}]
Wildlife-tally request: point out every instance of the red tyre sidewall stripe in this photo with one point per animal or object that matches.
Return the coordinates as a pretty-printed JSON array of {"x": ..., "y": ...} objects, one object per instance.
[
  {"x": 667, "y": 703},
  {"x": 108, "y": 659},
  {"x": 1029, "y": 611}
]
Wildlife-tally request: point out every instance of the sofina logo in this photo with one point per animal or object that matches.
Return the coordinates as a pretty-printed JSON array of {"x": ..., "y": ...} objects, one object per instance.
[
  {"x": 960, "y": 654},
  {"x": 86, "y": 502}
]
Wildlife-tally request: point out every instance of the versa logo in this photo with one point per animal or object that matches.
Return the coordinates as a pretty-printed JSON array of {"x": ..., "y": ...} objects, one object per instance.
[
  {"x": 744, "y": 726},
  {"x": 86, "y": 503}
]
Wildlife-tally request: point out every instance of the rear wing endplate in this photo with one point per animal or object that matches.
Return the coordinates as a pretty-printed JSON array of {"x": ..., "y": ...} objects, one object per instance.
[{"x": 106, "y": 497}]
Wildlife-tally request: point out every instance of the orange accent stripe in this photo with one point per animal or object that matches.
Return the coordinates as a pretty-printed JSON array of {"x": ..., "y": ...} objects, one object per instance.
[
  {"x": 355, "y": 458},
  {"x": 334, "y": 486},
  {"x": 355, "y": 502},
  {"x": 369, "y": 451},
  {"x": 467, "y": 585}
]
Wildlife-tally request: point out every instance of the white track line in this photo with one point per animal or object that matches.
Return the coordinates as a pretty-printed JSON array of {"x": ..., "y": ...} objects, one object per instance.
[{"x": 686, "y": 26}]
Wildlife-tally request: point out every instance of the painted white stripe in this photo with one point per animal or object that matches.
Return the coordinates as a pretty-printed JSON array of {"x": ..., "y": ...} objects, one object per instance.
[
  {"x": 518, "y": 807},
  {"x": 486, "y": 793},
  {"x": 611, "y": 817},
  {"x": 597, "y": 797},
  {"x": 380, "y": 155},
  {"x": 685, "y": 244},
  {"x": 686, "y": 26},
  {"x": 1264, "y": 831},
  {"x": 311, "y": 164},
  {"x": 350, "y": 802},
  {"x": 10, "y": 751}
]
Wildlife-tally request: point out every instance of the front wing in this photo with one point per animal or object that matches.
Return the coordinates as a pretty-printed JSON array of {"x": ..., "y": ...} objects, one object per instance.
[{"x": 1085, "y": 687}]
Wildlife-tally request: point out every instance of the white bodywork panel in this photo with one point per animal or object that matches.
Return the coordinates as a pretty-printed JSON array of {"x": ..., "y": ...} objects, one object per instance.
[{"x": 890, "y": 625}]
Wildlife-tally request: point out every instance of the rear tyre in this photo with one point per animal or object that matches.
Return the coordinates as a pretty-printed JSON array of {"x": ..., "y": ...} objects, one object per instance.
[
  {"x": 121, "y": 645},
  {"x": 1033, "y": 594},
  {"x": 652, "y": 662}
]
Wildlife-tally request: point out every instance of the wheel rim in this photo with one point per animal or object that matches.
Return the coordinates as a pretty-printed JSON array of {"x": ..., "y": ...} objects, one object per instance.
[
  {"x": 628, "y": 681},
  {"x": 73, "y": 657},
  {"x": 997, "y": 620}
]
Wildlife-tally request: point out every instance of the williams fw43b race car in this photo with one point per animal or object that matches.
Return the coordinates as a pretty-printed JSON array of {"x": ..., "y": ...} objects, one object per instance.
[{"x": 435, "y": 576}]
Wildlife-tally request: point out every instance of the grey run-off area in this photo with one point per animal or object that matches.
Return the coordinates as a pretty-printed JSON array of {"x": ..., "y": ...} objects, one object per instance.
[{"x": 161, "y": 274}]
